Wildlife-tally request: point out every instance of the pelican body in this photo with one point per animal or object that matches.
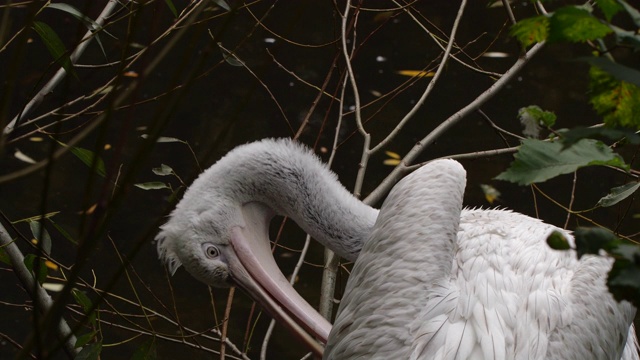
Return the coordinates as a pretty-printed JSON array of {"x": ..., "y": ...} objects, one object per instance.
[
  {"x": 431, "y": 280},
  {"x": 435, "y": 281}
]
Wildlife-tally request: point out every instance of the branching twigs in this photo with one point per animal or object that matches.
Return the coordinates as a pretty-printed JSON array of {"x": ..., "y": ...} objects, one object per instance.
[
  {"x": 36, "y": 291},
  {"x": 430, "y": 86},
  {"x": 61, "y": 73},
  {"x": 331, "y": 260},
  {"x": 98, "y": 226},
  {"x": 397, "y": 172},
  {"x": 439, "y": 42}
]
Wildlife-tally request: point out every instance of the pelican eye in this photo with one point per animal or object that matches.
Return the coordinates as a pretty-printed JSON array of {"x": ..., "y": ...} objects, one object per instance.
[{"x": 210, "y": 251}]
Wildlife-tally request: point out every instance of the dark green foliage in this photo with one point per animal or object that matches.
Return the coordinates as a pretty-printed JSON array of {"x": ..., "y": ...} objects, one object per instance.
[
  {"x": 87, "y": 305},
  {"x": 572, "y": 24},
  {"x": 55, "y": 46},
  {"x": 36, "y": 264},
  {"x": 570, "y": 137},
  {"x": 531, "y": 30},
  {"x": 591, "y": 240},
  {"x": 624, "y": 278},
  {"x": 557, "y": 241},
  {"x": 617, "y": 101},
  {"x": 618, "y": 194},
  {"x": 146, "y": 352},
  {"x": 538, "y": 161},
  {"x": 40, "y": 233},
  {"x": 609, "y": 8},
  {"x": 90, "y": 352}
]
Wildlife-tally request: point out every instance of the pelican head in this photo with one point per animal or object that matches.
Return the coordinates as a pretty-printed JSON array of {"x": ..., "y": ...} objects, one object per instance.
[
  {"x": 219, "y": 231},
  {"x": 228, "y": 245}
]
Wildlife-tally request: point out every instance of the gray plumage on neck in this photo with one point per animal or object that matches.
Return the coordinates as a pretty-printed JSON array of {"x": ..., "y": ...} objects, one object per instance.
[{"x": 286, "y": 177}]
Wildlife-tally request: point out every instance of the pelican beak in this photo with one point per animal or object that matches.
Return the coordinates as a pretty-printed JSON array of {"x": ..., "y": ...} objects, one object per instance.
[{"x": 257, "y": 273}]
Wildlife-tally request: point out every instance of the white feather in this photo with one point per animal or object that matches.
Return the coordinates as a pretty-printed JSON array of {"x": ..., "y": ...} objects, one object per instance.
[{"x": 491, "y": 289}]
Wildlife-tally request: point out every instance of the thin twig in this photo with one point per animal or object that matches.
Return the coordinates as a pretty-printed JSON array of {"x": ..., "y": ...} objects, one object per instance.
[
  {"x": 573, "y": 197},
  {"x": 331, "y": 260},
  {"x": 397, "y": 172},
  {"x": 432, "y": 83},
  {"x": 61, "y": 73},
  {"x": 37, "y": 293}
]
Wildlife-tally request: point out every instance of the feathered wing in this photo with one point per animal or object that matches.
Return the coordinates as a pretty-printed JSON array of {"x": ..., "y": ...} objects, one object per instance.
[
  {"x": 425, "y": 287},
  {"x": 512, "y": 297},
  {"x": 409, "y": 251}
]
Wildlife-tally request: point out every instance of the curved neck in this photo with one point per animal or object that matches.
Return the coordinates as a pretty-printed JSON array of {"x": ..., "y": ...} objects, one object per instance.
[{"x": 293, "y": 182}]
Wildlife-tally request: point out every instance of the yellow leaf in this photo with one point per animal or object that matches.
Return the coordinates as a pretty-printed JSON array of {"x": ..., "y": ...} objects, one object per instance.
[
  {"x": 91, "y": 209},
  {"x": 415, "y": 73},
  {"x": 391, "y": 162},
  {"x": 383, "y": 16},
  {"x": 392, "y": 155},
  {"x": 50, "y": 265},
  {"x": 490, "y": 193},
  {"x": 36, "y": 139}
]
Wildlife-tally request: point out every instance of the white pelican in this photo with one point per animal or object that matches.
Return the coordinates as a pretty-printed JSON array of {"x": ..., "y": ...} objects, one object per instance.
[{"x": 493, "y": 291}]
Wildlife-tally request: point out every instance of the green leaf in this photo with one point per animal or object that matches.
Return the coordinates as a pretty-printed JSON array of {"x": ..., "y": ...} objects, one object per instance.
[
  {"x": 572, "y": 24},
  {"x": 532, "y": 117},
  {"x": 557, "y": 241},
  {"x": 590, "y": 240},
  {"x": 633, "y": 12},
  {"x": 90, "y": 352},
  {"x": 82, "y": 299},
  {"x": 609, "y": 8},
  {"x": 40, "y": 233},
  {"x": 152, "y": 185},
  {"x": 163, "y": 170},
  {"x": 55, "y": 46},
  {"x": 83, "y": 339},
  {"x": 230, "y": 57},
  {"x": 33, "y": 263},
  {"x": 87, "y": 305},
  {"x": 625, "y": 37},
  {"x": 537, "y": 160},
  {"x": 624, "y": 277},
  {"x": 172, "y": 8},
  {"x": 223, "y": 4},
  {"x": 531, "y": 30},
  {"x": 146, "y": 352},
  {"x": 64, "y": 232},
  {"x": 69, "y": 9},
  {"x": 87, "y": 21},
  {"x": 619, "y": 71},
  {"x": 572, "y": 136},
  {"x": 617, "y": 101},
  {"x": 4, "y": 257},
  {"x": 37, "y": 217},
  {"x": 618, "y": 194},
  {"x": 88, "y": 157}
]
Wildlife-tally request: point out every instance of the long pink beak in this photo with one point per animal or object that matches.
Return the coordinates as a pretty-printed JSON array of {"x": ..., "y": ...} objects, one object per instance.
[{"x": 256, "y": 272}]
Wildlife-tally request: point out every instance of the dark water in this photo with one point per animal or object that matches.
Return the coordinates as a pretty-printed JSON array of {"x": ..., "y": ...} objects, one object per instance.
[{"x": 221, "y": 106}]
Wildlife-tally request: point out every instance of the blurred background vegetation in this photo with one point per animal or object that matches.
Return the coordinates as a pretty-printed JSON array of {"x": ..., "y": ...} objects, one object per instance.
[{"x": 110, "y": 108}]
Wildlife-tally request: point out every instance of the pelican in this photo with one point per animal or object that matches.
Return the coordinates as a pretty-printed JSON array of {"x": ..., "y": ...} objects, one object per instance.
[{"x": 432, "y": 281}]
